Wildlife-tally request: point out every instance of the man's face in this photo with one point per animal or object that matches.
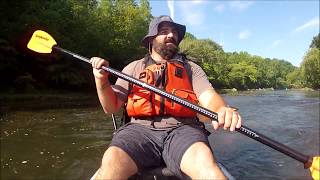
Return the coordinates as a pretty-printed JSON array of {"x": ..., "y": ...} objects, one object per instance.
[{"x": 166, "y": 42}]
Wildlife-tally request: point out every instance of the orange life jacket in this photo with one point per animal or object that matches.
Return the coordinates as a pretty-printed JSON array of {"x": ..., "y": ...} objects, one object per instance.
[{"x": 171, "y": 76}]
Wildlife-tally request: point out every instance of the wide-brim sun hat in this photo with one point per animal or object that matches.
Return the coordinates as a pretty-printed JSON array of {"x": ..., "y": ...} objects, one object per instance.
[{"x": 153, "y": 29}]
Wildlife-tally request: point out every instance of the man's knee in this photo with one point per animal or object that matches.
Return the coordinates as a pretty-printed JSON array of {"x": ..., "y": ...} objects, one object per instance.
[
  {"x": 198, "y": 162},
  {"x": 116, "y": 163}
]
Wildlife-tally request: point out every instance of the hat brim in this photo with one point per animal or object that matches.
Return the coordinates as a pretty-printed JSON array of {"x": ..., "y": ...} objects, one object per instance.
[{"x": 180, "y": 28}]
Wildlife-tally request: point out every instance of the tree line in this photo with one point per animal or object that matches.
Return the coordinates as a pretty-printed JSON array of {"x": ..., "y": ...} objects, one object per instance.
[
  {"x": 113, "y": 29},
  {"x": 243, "y": 71}
]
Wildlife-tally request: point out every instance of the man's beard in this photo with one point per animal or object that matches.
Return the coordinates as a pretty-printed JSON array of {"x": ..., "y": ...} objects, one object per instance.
[{"x": 166, "y": 51}]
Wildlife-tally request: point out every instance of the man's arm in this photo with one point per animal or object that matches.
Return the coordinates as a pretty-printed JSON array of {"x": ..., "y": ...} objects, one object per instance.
[
  {"x": 107, "y": 97},
  {"x": 227, "y": 117}
]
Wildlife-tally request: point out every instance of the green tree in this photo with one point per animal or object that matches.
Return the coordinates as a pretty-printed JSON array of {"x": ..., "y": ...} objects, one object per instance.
[
  {"x": 295, "y": 79},
  {"x": 113, "y": 29},
  {"x": 217, "y": 71},
  {"x": 242, "y": 75},
  {"x": 207, "y": 54},
  {"x": 310, "y": 68},
  {"x": 107, "y": 28},
  {"x": 315, "y": 42},
  {"x": 262, "y": 67},
  {"x": 202, "y": 50},
  {"x": 189, "y": 36}
]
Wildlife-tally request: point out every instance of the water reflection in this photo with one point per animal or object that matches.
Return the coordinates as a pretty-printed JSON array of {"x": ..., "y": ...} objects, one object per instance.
[{"x": 68, "y": 143}]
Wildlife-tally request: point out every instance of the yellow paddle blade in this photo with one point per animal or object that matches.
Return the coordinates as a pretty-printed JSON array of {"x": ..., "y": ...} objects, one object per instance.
[
  {"x": 41, "y": 42},
  {"x": 315, "y": 168}
]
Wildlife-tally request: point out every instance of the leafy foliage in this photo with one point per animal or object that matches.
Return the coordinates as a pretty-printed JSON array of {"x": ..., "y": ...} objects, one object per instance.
[
  {"x": 113, "y": 29},
  {"x": 295, "y": 79},
  {"x": 236, "y": 70},
  {"x": 315, "y": 42},
  {"x": 108, "y": 28},
  {"x": 311, "y": 68}
]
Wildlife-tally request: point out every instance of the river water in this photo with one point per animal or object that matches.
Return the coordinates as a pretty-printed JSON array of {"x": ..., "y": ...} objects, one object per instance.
[{"x": 63, "y": 140}]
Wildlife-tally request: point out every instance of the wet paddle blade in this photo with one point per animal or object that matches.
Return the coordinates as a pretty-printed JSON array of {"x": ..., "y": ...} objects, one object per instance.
[
  {"x": 315, "y": 168},
  {"x": 41, "y": 42}
]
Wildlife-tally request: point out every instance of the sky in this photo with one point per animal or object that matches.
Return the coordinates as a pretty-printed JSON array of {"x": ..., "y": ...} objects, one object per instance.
[{"x": 270, "y": 29}]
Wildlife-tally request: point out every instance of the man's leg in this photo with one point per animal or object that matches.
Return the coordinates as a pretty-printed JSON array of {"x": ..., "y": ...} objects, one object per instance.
[
  {"x": 133, "y": 147},
  {"x": 116, "y": 164},
  {"x": 198, "y": 163},
  {"x": 187, "y": 152}
]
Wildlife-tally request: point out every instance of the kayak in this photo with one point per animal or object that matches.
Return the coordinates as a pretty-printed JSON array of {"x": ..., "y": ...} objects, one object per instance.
[{"x": 165, "y": 173}]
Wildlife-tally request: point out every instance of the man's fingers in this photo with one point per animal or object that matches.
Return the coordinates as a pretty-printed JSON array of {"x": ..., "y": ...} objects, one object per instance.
[
  {"x": 101, "y": 71},
  {"x": 228, "y": 119},
  {"x": 221, "y": 116},
  {"x": 97, "y": 62},
  {"x": 93, "y": 61},
  {"x": 239, "y": 121},
  {"x": 215, "y": 125},
  {"x": 235, "y": 119},
  {"x": 102, "y": 62}
]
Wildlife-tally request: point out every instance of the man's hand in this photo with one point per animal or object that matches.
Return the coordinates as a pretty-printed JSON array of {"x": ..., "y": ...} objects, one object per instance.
[
  {"x": 97, "y": 63},
  {"x": 228, "y": 118}
]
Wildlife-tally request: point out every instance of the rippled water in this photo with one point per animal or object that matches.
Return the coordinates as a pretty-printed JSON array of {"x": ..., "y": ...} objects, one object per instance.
[
  {"x": 67, "y": 142},
  {"x": 290, "y": 117}
]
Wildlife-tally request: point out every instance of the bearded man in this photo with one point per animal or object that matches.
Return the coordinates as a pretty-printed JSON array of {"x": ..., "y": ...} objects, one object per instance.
[{"x": 160, "y": 131}]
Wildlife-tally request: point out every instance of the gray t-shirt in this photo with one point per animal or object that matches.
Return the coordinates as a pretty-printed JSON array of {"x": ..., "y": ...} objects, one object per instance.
[{"x": 200, "y": 84}]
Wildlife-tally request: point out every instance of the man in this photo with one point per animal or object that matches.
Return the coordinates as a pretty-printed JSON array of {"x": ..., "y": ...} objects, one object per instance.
[{"x": 160, "y": 130}]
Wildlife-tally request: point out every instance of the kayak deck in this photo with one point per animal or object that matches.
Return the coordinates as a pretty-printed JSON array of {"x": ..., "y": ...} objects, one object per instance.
[{"x": 165, "y": 174}]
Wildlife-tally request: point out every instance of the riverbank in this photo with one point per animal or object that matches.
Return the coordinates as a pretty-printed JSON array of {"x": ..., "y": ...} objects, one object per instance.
[
  {"x": 66, "y": 98},
  {"x": 45, "y": 100},
  {"x": 235, "y": 92}
]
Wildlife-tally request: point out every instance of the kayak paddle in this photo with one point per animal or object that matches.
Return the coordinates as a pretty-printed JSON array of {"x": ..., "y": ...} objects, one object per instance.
[{"x": 42, "y": 42}]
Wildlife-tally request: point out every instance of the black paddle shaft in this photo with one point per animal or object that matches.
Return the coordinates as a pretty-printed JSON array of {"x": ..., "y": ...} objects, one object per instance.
[{"x": 201, "y": 110}]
